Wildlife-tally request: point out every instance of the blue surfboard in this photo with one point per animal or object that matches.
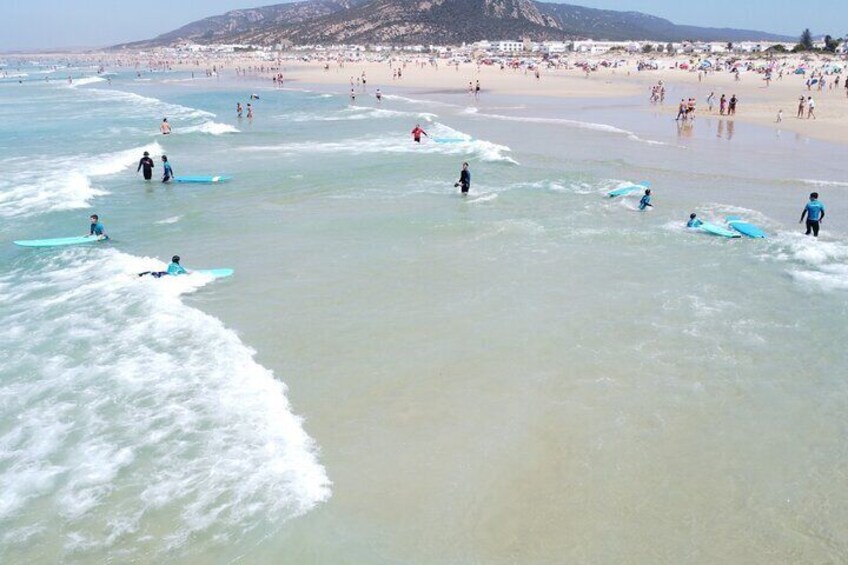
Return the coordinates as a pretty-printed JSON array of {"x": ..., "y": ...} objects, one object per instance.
[
  {"x": 717, "y": 230},
  {"x": 217, "y": 273},
  {"x": 450, "y": 140},
  {"x": 745, "y": 228},
  {"x": 625, "y": 190},
  {"x": 203, "y": 179},
  {"x": 58, "y": 242}
]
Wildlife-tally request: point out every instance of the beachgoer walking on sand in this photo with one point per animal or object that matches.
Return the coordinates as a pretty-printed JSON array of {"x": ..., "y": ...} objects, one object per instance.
[
  {"x": 802, "y": 104},
  {"x": 722, "y": 104},
  {"x": 811, "y": 108},
  {"x": 681, "y": 110},
  {"x": 711, "y": 101},
  {"x": 731, "y": 106}
]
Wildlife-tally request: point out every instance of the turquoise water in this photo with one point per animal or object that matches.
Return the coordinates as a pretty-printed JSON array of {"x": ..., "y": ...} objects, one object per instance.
[{"x": 394, "y": 373}]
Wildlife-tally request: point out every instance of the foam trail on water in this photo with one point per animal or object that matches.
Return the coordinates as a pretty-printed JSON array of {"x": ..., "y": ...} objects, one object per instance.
[
  {"x": 35, "y": 186},
  {"x": 570, "y": 123},
  {"x": 153, "y": 426},
  {"x": 210, "y": 127},
  {"x": 816, "y": 262},
  {"x": 401, "y": 143}
]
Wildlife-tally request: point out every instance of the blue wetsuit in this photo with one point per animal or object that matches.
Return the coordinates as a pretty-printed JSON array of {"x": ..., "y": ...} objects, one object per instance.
[
  {"x": 98, "y": 230},
  {"x": 176, "y": 269},
  {"x": 645, "y": 202},
  {"x": 694, "y": 223},
  {"x": 815, "y": 213},
  {"x": 169, "y": 172}
]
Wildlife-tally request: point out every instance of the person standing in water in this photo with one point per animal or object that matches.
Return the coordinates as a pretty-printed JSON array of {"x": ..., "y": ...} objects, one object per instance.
[
  {"x": 416, "y": 133},
  {"x": 169, "y": 172},
  {"x": 165, "y": 128},
  {"x": 379, "y": 95},
  {"x": 239, "y": 110},
  {"x": 646, "y": 200},
  {"x": 146, "y": 163},
  {"x": 814, "y": 211},
  {"x": 464, "y": 179},
  {"x": 97, "y": 228}
]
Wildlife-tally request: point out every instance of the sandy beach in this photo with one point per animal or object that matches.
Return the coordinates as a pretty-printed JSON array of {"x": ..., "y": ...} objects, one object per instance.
[{"x": 758, "y": 103}]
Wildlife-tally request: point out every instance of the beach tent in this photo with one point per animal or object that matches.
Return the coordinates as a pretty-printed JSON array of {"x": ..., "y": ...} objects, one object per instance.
[{"x": 800, "y": 71}]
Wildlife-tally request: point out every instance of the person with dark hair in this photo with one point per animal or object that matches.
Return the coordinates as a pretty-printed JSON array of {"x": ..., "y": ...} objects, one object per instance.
[
  {"x": 814, "y": 211},
  {"x": 174, "y": 269},
  {"x": 693, "y": 222},
  {"x": 146, "y": 163},
  {"x": 97, "y": 228},
  {"x": 464, "y": 179},
  {"x": 646, "y": 200},
  {"x": 169, "y": 172}
]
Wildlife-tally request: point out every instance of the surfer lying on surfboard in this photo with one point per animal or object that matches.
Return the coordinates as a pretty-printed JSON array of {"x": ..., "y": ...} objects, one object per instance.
[
  {"x": 97, "y": 228},
  {"x": 174, "y": 268}
]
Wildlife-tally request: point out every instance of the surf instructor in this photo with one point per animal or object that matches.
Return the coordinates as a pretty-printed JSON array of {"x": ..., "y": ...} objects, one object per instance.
[
  {"x": 416, "y": 133},
  {"x": 814, "y": 211},
  {"x": 146, "y": 163}
]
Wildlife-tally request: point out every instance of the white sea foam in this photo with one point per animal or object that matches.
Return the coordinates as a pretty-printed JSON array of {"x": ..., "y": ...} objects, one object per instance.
[
  {"x": 816, "y": 262},
  {"x": 353, "y": 113},
  {"x": 146, "y": 106},
  {"x": 41, "y": 185},
  {"x": 153, "y": 417},
  {"x": 84, "y": 81},
  {"x": 572, "y": 123},
  {"x": 210, "y": 127},
  {"x": 814, "y": 182},
  {"x": 170, "y": 220},
  {"x": 400, "y": 143}
]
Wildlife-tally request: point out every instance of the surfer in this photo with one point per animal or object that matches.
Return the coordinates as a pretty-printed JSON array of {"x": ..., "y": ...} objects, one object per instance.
[
  {"x": 97, "y": 228},
  {"x": 646, "y": 200},
  {"x": 165, "y": 128},
  {"x": 464, "y": 179},
  {"x": 814, "y": 211},
  {"x": 416, "y": 133},
  {"x": 146, "y": 163},
  {"x": 169, "y": 172},
  {"x": 379, "y": 95},
  {"x": 174, "y": 268},
  {"x": 693, "y": 222}
]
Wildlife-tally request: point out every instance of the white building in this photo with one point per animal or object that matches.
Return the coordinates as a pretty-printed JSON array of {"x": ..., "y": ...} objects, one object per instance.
[{"x": 509, "y": 46}]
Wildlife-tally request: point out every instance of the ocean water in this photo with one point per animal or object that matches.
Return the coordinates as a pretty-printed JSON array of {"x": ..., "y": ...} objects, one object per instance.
[{"x": 395, "y": 373}]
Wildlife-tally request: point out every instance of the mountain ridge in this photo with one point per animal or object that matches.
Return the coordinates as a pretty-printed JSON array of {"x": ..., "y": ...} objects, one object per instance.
[{"x": 404, "y": 22}]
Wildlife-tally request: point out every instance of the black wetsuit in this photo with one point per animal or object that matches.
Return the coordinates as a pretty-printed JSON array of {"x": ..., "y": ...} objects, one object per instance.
[
  {"x": 465, "y": 180},
  {"x": 147, "y": 163}
]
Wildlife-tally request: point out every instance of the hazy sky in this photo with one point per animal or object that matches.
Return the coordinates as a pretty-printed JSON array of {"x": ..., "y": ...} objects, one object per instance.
[{"x": 31, "y": 24}]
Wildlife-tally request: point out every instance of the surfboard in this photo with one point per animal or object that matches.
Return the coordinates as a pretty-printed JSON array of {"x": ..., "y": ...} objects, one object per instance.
[
  {"x": 717, "y": 230},
  {"x": 624, "y": 190},
  {"x": 745, "y": 228},
  {"x": 202, "y": 179},
  {"x": 57, "y": 242},
  {"x": 450, "y": 140},
  {"x": 217, "y": 273}
]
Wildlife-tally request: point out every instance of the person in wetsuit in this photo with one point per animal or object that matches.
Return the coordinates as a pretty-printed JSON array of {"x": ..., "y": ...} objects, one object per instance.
[
  {"x": 174, "y": 268},
  {"x": 169, "y": 172},
  {"x": 97, "y": 228},
  {"x": 693, "y": 222},
  {"x": 814, "y": 211},
  {"x": 416, "y": 133},
  {"x": 646, "y": 200},
  {"x": 146, "y": 163},
  {"x": 464, "y": 179}
]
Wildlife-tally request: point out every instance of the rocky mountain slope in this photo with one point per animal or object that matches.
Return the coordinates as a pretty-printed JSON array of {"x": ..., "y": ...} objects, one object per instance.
[{"x": 435, "y": 22}]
